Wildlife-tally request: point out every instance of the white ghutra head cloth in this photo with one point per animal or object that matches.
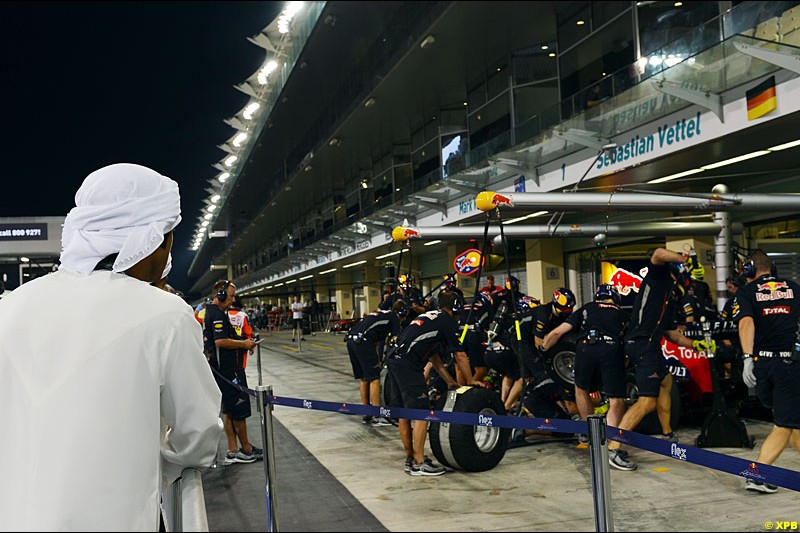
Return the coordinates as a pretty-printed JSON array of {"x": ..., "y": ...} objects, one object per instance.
[{"x": 122, "y": 209}]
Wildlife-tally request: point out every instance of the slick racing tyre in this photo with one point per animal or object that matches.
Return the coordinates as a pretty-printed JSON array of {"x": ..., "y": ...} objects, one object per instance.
[
  {"x": 470, "y": 448},
  {"x": 561, "y": 363},
  {"x": 650, "y": 424}
]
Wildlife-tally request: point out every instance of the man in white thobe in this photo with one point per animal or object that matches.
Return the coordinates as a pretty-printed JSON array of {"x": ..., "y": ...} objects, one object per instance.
[{"x": 95, "y": 362}]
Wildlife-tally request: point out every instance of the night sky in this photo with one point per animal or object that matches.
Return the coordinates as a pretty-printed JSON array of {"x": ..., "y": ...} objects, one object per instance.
[{"x": 87, "y": 84}]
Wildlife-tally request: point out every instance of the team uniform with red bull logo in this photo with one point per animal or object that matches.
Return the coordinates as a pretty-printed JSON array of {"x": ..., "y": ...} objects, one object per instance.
[
  {"x": 654, "y": 311},
  {"x": 429, "y": 334},
  {"x": 773, "y": 305},
  {"x": 598, "y": 351}
]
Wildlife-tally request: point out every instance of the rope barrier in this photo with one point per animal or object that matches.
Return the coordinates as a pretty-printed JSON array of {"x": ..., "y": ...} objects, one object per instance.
[{"x": 764, "y": 473}]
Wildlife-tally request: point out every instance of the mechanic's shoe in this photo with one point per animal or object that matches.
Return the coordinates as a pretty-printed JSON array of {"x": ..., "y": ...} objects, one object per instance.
[
  {"x": 669, "y": 437},
  {"x": 757, "y": 486},
  {"x": 427, "y": 468},
  {"x": 238, "y": 457},
  {"x": 366, "y": 419},
  {"x": 619, "y": 460},
  {"x": 409, "y": 464},
  {"x": 379, "y": 422},
  {"x": 583, "y": 439}
]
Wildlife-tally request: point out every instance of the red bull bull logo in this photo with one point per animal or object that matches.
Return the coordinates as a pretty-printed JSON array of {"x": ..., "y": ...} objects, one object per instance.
[
  {"x": 467, "y": 262},
  {"x": 625, "y": 281},
  {"x": 402, "y": 233},
  {"x": 500, "y": 200},
  {"x": 772, "y": 286}
]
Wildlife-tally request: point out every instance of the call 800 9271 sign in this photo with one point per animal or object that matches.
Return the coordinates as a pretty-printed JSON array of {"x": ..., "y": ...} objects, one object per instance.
[{"x": 23, "y": 232}]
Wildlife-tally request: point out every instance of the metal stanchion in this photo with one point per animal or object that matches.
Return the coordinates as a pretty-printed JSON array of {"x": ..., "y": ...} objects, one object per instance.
[
  {"x": 258, "y": 359},
  {"x": 177, "y": 506},
  {"x": 601, "y": 477},
  {"x": 265, "y": 410}
]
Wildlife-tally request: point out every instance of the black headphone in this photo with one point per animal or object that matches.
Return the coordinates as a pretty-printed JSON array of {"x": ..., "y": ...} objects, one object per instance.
[
  {"x": 749, "y": 268},
  {"x": 222, "y": 295}
]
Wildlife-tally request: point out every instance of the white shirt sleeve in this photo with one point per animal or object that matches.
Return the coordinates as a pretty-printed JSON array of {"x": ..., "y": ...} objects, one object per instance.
[{"x": 190, "y": 403}]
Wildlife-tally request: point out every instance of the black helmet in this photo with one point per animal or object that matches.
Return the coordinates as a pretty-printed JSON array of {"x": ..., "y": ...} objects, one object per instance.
[
  {"x": 512, "y": 283},
  {"x": 563, "y": 300},
  {"x": 681, "y": 274},
  {"x": 526, "y": 303},
  {"x": 607, "y": 291}
]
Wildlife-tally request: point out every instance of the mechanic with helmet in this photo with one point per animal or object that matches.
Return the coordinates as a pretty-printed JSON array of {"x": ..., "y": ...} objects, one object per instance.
[
  {"x": 653, "y": 316},
  {"x": 475, "y": 316},
  {"x": 548, "y": 317},
  {"x": 411, "y": 295},
  {"x": 450, "y": 286},
  {"x": 697, "y": 302},
  {"x": 364, "y": 344},
  {"x": 428, "y": 335},
  {"x": 505, "y": 358},
  {"x": 767, "y": 311},
  {"x": 598, "y": 351}
]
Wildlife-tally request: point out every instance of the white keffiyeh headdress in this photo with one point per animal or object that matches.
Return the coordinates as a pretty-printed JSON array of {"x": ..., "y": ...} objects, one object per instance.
[{"x": 122, "y": 209}]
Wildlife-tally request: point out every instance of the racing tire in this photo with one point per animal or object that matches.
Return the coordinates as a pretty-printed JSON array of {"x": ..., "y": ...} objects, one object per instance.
[
  {"x": 650, "y": 424},
  {"x": 561, "y": 364},
  {"x": 470, "y": 448}
]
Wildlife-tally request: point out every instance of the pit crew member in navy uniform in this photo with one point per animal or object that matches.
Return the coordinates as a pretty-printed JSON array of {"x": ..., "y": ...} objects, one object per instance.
[
  {"x": 428, "y": 335},
  {"x": 364, "y": 340},
  {"x": 767, "y": 311},
  {"x": 653, "y": 317}
]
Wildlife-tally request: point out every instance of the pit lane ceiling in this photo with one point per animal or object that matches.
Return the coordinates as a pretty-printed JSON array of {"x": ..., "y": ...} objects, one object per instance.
[
  {"x": 470, "y": 38},
  {"x": 447, "y": 67}
]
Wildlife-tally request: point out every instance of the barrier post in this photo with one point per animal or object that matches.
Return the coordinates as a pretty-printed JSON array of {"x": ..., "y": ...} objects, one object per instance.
[
  {"x": 258, "y": 359},
  {"x": 601, "y": 477},
  {"x": 177, "y": 506},
  {"x": 265, "y": 410}
]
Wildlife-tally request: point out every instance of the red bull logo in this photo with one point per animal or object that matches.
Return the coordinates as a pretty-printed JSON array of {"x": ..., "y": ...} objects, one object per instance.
[
  {"x": 772, "y": 286},
  {"x": 625, "y": 281},
  {"x": 467, "y": 262},
  {"x": 499, "y": 200},
  {"x": 410, "y": 232}
]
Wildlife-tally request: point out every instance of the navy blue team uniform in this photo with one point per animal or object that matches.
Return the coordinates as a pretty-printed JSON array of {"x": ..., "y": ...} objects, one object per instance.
[
  {"x": 654, "y": 311},
  {"x": 773, "y": 305},
  {"x": 598, "y": 351},
  {"x": 429, "y": 334},
  {"x": 364, "y": 340}
]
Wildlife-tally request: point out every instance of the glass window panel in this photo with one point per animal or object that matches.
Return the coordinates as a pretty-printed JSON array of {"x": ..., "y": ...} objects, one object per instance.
[
  {"x": 569, "y": 31},
  {"x": 661, "y": 23},
  {"x": 602, "y": 12}
]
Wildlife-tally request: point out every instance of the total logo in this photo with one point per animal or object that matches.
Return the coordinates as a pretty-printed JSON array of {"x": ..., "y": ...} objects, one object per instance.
[
  {"x": 307, "y": 404},
  {"x": 677, "y": 452},
  {"x": 385, "y": 413},
  {"x": 485, "y": 420}
]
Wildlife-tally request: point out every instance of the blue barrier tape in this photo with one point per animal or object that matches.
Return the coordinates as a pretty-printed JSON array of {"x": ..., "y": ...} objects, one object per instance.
[
  {"x": 717, "y": 461},
  {"x": 469, "y": 419},
  {"x": 678, "y": 451}
]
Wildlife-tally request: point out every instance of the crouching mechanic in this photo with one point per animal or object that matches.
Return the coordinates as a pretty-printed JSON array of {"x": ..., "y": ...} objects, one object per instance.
[
  {"x": 363, "y": 344},
  {"x": 428, "y": 334}
]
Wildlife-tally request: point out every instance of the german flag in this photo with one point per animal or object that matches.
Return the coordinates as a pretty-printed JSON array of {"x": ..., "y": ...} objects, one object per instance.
[{"x": 761, "y": 99}]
